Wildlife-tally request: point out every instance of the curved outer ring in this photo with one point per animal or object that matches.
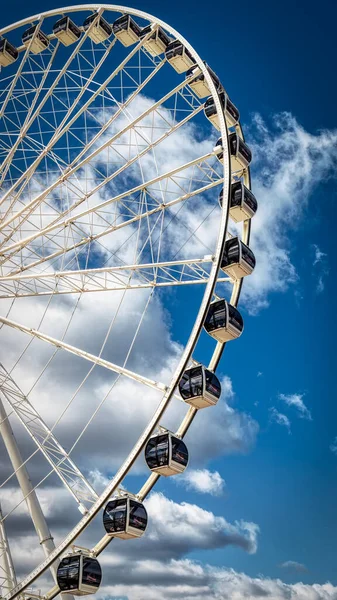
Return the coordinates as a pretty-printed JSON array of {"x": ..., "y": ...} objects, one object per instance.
[{"x": 122, "y": 472}]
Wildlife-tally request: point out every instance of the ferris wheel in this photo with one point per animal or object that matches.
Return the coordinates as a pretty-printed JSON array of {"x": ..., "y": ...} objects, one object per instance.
[{"x": 124, "y": 171}]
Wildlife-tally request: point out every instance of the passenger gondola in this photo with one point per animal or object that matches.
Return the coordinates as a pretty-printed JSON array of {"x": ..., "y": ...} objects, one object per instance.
[
  {"x": 66, "y": 31},
  {"x": 199, "y": 387},
  {"x": 79, "y": 574},
  {"x": 179, "y": 57},
  {"x": 8, "y": 53},
  {"x": 199, "y": 85},
  {"x": 40, "y": 40},
  {"x": 237, "y": 260},
  {"x": 100, "y": 31},
  {"x": 125, "y": 518},
  {"x": 223, "y": 321},
  {"x": 157, "y": 43},
  {"x": 243, "y": 204},
  {"x": 241, "y": 155},
  {"x": 230, "y": 111},
  {"x": 166, "y": 454},
  {"x": 126, "y": 30}
]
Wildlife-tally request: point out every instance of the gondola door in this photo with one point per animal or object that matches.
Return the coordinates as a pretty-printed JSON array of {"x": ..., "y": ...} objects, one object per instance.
[
  {"x": 178, "y": 454},
  {"x": 212, "y": 388},
  {"x": 136, "y": 519},
  {"x": 91, "y": 575}
]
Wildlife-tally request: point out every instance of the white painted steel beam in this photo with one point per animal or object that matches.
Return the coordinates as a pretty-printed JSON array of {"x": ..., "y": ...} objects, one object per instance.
[
  {"x": 7, "y": 572},
  {"x": 32, "y": 502}
]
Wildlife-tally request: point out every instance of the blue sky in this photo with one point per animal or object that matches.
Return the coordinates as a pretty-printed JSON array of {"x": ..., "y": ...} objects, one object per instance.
[{"x": 276, "y": 58}]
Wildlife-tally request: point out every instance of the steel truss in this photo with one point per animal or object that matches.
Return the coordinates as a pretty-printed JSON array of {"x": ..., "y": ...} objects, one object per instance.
[{"x": 68, "y": 472}]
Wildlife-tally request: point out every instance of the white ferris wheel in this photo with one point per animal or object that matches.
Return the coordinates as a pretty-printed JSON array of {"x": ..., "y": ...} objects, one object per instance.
[{"x": 124, "y": 172}]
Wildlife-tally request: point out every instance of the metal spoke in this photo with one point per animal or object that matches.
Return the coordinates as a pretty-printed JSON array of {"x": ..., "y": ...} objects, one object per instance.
[{"x": 86, "y": 355}]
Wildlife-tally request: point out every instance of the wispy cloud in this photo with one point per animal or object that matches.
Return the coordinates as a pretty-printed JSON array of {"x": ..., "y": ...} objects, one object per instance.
[
  {"x": 321, "y": 271},
  {"x": 333, "y": 446},
  {"x": 296, "y": 400},
  {"x": 293, "y": 565},
  {"x": 279, "y": 418},
  {"x": 319, "y": 255},
  {"x": 288, "y": 164}
]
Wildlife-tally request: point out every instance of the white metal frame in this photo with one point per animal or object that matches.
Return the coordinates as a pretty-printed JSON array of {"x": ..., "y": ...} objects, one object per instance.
[{"x": 209, "y": 289}]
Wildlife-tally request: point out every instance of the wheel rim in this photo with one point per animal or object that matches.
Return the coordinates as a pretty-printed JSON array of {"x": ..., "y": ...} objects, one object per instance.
[{"x": 13, "y": 249}]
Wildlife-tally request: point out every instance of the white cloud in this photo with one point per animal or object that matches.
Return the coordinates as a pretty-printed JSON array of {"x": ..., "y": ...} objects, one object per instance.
[
  {"x": 279, "y": 418},
  {"x": 188, "y": 580},
  {"x": 296, "y": 400},
  {"x": 98, "y": 480},
  {"x": 237, "y": 586},
  {"x": 182, "y": 527},
  {"x": 203, "y": 481},
  {"x": 227, "y": 388}
]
